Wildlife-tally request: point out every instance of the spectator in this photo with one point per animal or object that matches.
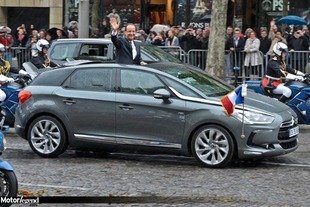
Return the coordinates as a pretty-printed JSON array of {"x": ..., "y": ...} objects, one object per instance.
[
  {"x": 159, "y": 40},
  {"x": 297, "y": 44},
  {"x": 150, "y": 38},
  {"x": 204, "y": 40},
  {"x": 7, "y": 40},
  {"x": 95, "y": 33},
  {"x": 75, "y": 33},
  {"x": 199, "y": 33},
  {"x": 21, "y": 37},
  {"x": 48, "y": 37},
  {"x": 172, "y": 40},
  {"x": 265, "y": 42},
  {"x": 229, "y": 32},
  {"x": 31, "y": 44},
  {"x": 277, "y": 38},
  {"x": 236, "y": 45},
  {"x": 247, "y": 33},
  {"x": 253, "y": 58},
  {"x": 273, "y": 30},
  {"x": 190, "y": 40},
  {"x": 42, "y": 34},
  {"x": 104, "y": 27}
]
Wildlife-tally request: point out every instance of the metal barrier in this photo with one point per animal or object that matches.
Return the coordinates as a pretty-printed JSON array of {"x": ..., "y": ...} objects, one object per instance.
[
  {"x": 234, "y": 61},
  {"x": 197, "y": 58},
  {"x": 177, "y": 52},
  {"x": 20, "y": 55}
]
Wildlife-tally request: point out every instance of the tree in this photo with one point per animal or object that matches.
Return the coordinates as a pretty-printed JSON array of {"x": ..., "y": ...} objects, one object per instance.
[
  {"x": 216, "y": 55},
  {"x": 94, "y": 14}
]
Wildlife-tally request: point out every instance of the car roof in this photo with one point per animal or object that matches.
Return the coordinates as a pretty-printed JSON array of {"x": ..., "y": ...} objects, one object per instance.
[
  {"x": 88, "y": 40},
  {"x": 85, "y": 40}
]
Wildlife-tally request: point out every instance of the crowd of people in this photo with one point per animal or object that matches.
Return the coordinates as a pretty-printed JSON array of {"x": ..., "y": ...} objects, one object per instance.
[{"x": 251, "y": 42}]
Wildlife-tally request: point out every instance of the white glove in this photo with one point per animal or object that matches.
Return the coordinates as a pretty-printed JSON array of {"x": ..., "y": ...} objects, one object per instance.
[
  {"x": 299, "y": 78},
  {"x": 10, "y": 80},
  {"x": 299, "y": 73},
  {"x": 22, "y": 72}
]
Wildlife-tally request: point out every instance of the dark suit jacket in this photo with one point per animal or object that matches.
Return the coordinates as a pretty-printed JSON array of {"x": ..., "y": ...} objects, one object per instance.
[
  {"x": 231, "y": 43},
  {"x": 124, "y": 50}
]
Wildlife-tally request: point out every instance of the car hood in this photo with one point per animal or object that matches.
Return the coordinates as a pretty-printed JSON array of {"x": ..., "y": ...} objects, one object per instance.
[{"x": 258, "y": 101}]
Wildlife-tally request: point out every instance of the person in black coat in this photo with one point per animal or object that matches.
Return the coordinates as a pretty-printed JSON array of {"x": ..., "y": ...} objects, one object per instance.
[
  {"x": 265, "y": 42},
  {"x": 236, "y": 45},
  {"x": 127, "y": 50}
]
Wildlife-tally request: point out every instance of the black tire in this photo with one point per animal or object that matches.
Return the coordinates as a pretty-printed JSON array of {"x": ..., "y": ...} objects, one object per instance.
[
  {"x": 8, "y": 185},
  {"x": 212, "y": 146},
  {"x": 47, "y": 137}
]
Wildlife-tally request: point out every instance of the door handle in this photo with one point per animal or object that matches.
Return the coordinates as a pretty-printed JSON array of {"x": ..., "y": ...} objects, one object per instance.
[
  {"x": 69, "y": 101},
  {"x": 125, "y": 107}
]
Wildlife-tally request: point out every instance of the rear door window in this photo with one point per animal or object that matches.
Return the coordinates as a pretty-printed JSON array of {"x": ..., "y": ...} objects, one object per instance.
[{"x": 91, "y": 79}]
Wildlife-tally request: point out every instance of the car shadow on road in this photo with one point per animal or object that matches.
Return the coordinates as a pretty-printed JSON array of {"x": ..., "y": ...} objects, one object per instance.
[{"x": 138, "y": 158}]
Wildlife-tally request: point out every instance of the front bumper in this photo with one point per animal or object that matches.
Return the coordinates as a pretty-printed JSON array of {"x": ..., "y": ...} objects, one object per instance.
[{"x": 268, "y": 142}]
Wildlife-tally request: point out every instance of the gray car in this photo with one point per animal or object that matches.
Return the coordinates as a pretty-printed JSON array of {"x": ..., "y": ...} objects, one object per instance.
[{"x": 164, "y": 108}]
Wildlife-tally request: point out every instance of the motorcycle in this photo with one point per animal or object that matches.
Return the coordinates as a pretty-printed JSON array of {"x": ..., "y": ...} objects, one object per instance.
[
  {"x": 11, "y": 89},
  {"x": 299, "y": 101},
  {"x": 8, "y": 180}
]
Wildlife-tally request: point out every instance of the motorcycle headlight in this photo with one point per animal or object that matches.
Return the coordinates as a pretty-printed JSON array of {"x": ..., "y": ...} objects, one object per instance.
[{"x": 249, "y": 117}]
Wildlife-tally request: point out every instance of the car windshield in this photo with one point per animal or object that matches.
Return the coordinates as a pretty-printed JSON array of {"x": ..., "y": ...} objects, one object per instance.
[
  {"x": 206, "y": 84},
  {"x": 152, "y": 53}
]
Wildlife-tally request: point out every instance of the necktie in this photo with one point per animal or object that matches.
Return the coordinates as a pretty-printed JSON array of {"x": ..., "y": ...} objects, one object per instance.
[{"x": 134, "y": 50}]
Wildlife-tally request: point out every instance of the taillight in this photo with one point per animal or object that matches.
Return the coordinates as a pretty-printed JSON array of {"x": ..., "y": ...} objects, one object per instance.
[{"x": 23, "y": 96}]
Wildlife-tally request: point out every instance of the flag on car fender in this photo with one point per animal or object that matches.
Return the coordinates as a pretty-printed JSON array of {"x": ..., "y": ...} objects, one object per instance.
[{"x": 233, "y": 98}]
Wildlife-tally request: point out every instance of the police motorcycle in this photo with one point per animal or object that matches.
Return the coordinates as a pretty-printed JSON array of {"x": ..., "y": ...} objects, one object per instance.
[
  {"x": 299, "y": 100},
  {"x": 11, "y": 88},
  {"x": 8, "y": 180}
]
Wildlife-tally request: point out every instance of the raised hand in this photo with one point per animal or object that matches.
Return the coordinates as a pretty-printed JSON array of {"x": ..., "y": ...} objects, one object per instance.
[{"x": 114, "y": 24}]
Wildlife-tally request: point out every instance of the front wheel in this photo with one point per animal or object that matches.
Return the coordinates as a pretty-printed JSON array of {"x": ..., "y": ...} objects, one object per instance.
[
  {"x": 212, "y": 146},
  {"x": 8, "y": 184}
]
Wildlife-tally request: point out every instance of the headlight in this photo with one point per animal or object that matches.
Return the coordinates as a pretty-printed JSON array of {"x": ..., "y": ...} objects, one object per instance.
[{"x": 249, "y": 117}]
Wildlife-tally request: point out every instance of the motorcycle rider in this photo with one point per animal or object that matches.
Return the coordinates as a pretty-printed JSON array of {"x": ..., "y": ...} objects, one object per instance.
[
  {"x": 276, "y": 69},
  {"x": 41, "y": 60},
  {"x": 4, "y": 70}
]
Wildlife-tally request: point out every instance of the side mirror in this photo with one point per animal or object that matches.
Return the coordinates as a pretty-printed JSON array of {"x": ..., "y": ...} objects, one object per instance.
[{"x": 162, "y": 94}]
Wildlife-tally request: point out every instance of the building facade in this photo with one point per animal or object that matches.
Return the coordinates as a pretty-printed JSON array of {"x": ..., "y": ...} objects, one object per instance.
[{"x": 40, "y": 13}]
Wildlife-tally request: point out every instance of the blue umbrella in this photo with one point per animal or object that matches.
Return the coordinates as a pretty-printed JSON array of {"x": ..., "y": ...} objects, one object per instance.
[{"x": 292, "y": 20}]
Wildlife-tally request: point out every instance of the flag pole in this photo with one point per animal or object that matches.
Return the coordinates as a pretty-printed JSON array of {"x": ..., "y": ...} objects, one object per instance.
[{"x": 243, "y": 94}]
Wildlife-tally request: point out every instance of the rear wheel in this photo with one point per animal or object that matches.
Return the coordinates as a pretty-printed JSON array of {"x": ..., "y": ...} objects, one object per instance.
[
  {"x": 212, "y": 146},
  {"x": 8, "y": 184},
  {"x": 47, "y": 137}
]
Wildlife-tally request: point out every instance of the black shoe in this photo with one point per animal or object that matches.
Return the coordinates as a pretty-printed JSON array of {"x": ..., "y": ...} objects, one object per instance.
[{"x": 283, "y": 99}]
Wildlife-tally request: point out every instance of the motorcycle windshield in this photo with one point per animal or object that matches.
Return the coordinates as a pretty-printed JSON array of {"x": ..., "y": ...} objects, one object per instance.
[{"x": 31, "y": 69}]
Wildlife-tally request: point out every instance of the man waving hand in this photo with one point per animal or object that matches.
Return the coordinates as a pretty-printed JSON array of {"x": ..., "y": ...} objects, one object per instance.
[{"x": 127, "y": 51}]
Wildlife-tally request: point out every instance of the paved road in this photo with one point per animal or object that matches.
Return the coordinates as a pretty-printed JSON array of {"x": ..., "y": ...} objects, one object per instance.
[{"x": 168, "y": 180}]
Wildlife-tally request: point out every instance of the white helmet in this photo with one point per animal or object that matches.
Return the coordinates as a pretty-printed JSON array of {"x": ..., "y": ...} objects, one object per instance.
[
  {"x": 280, "y": 47},
  {"x": 42, "y": 43},
  {"x": 2, "y": 48}
]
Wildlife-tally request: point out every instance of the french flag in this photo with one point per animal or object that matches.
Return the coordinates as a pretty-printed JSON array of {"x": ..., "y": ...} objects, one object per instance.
[{"x": 235, "y": 97}]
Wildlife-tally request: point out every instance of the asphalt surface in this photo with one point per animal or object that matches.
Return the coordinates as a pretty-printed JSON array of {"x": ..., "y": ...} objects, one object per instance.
[{"x": 163, "y": 180}]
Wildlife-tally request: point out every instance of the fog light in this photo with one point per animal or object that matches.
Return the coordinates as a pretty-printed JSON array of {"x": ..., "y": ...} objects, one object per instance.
[{"x": 268, "y": 146}]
